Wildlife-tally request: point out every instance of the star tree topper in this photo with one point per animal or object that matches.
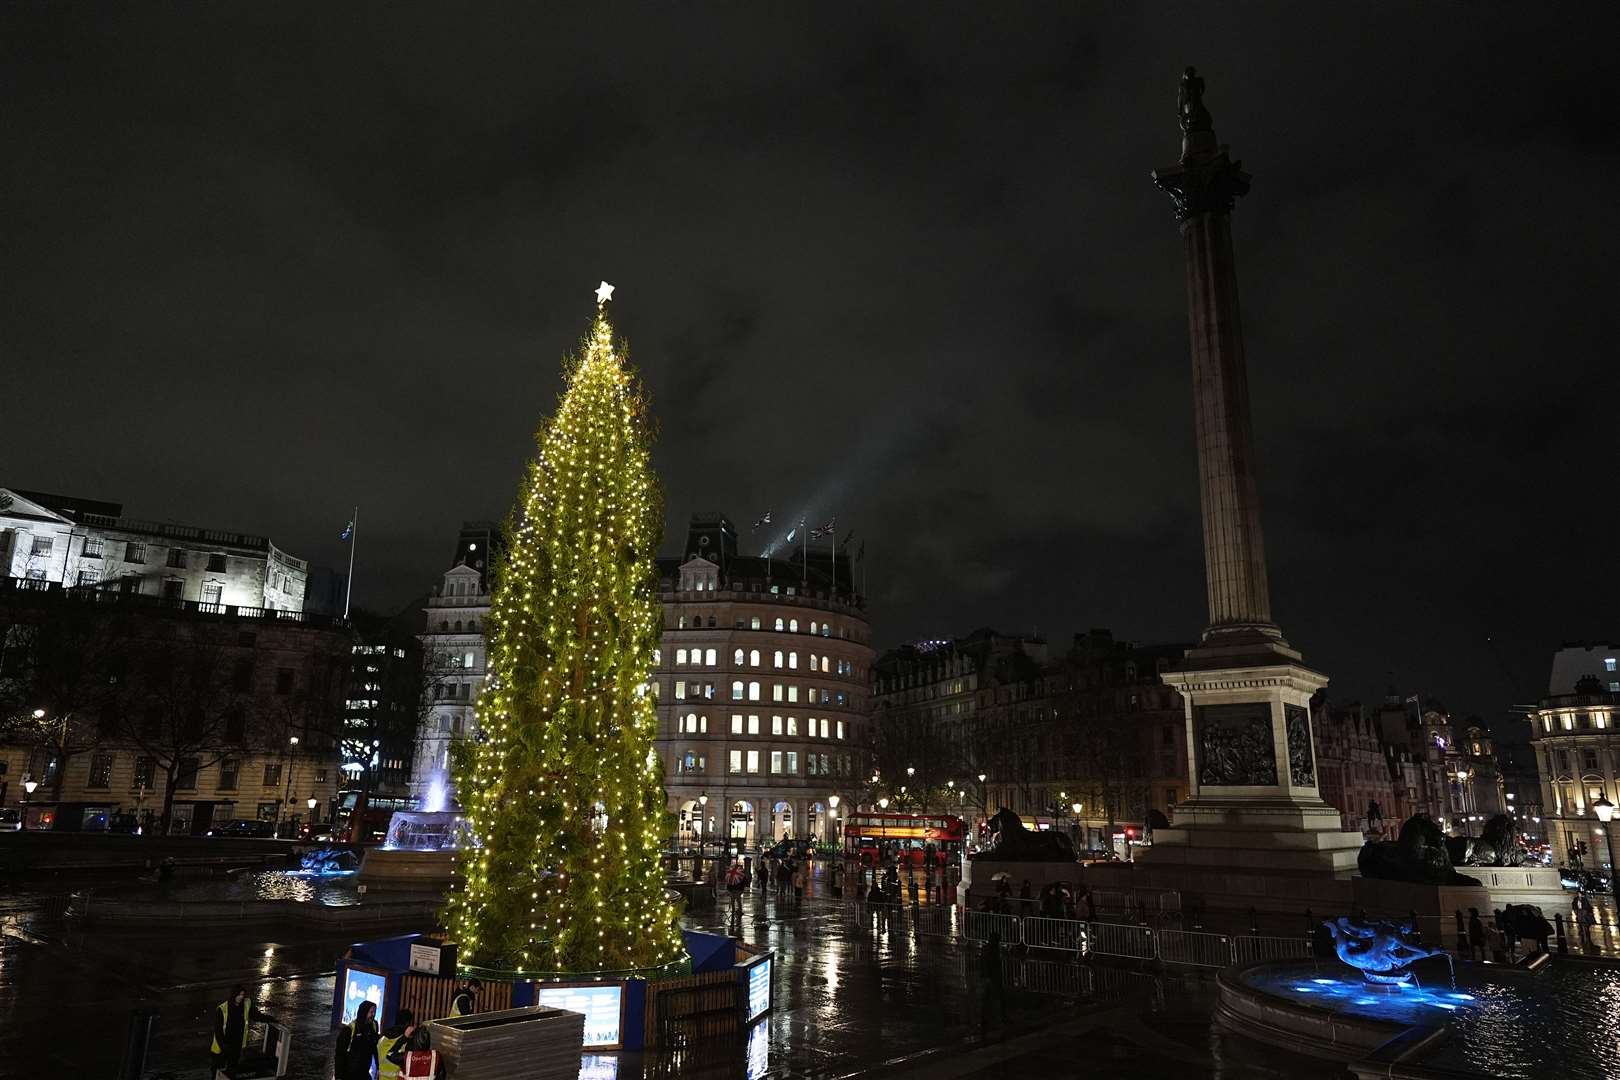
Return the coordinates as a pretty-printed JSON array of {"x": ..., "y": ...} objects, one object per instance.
[{"x": 604, "y": 293}]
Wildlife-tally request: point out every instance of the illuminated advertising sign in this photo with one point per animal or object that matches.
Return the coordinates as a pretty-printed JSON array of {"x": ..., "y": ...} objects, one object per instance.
[
  {"x": 602, "y": 1004},
  {"x": 361, "y": 986},
  {"x": 759, "y": 988}
]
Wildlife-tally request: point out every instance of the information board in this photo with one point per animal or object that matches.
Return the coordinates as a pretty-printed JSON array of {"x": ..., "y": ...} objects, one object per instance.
[
  {"x": 361, "y": 986},
  {"x": 759, "y": 988},
  {"x": 602, "y": 1004}
]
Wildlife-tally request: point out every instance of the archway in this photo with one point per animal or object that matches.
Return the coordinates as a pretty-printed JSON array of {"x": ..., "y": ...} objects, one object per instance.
[
  {"x": 742, "y": 821},
  {"x": 815, "y": 824},
  {"x": 691, "y": 823},
  {"x": 782, "y": 820}
]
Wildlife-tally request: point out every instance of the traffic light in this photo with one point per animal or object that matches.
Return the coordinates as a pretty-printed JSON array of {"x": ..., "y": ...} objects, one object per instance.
[
  {"x": 1130, "y": 833},
  {"x": 1580, "y": 847}
]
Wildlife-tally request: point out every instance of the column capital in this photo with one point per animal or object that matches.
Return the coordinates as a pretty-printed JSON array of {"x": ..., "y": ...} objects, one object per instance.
[{"x": 1204, "y": 185}]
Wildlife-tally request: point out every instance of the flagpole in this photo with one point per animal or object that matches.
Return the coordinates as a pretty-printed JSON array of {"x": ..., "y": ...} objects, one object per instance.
[
  {"x": 804, "y": 543},
  {"x": 832, "y": 544},
  {"x": 354, "y": 538}
]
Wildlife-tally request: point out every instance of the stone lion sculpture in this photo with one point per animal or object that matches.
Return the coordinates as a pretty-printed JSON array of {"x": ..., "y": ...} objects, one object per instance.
[
  {"x": 1496, "y": 845},
  {"x": 1417, "y": 855},
  {"x": 1011, "y": 842}
]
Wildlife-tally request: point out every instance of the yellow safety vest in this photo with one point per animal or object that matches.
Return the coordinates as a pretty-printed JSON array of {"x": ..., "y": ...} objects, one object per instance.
[
  {"x": 386, "y": 1069},
  {"x": 225, "y": 1024},
  {"x": 455, "y": 1004}
]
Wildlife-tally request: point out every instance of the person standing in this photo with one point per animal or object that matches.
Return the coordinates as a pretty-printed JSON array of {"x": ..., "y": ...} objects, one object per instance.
[
  {"x": 1585, "y": 918},
  {"x": 1476, "y": 935},
  {"x": 465, "y": 1003},
  {"x": 357, "y": 1045},
  {"x": 231, "y": 1021},
  {"x": 734, "y": 887},
  {"x": 798, "y": 884},
  {"x": 394, "y": 1044}
]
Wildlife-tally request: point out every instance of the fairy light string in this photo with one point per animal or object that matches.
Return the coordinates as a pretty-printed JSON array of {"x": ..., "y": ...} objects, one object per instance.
[{"x": 562, "y": 788}]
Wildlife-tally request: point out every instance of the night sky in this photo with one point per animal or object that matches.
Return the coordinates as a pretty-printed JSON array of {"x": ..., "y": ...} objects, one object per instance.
[{"x": 898, "y": 264}]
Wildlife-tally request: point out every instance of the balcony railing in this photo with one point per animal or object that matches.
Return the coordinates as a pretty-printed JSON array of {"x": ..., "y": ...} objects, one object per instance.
[{"x": 108, "y": 595}]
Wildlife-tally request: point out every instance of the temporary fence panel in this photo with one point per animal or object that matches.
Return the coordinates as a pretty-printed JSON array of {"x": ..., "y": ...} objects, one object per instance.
[
  {"x": 1249, "y": 947},
  {"x": 683, "y": 1010},
  {"x": 1195, "y": 949},
  {"x": 430, "y": 996},
  {"x": 1046, "y": 976},
  {"x": 979, "y": 925},
  {"x": 935, "y": 921},
  {"x": 1043, "y": 933},
  {"x": 1117, "y": 939}
]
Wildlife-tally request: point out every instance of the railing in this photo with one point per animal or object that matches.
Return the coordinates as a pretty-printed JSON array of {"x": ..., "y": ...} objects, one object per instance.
[
  {"x": 1045, "y": 936},
  {"x": 1121, "y": 939},
  {"x": 1066, "y": 934},
  {"x": 979, "y": 925},
  {"x": 1249, "y": 947},
  {"x": 108, "y": 593}
]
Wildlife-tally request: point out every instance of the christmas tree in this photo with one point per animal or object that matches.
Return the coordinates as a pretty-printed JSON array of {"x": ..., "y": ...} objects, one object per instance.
[{"x": 563, "y": 789}]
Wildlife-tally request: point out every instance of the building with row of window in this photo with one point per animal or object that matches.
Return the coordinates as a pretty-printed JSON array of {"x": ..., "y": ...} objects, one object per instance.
[
  {"x": 87, "y": 543},
  {"x": 1577, "y": 748},
  {"x": 122, "y": 703},
  {"x": 761, "y": 681},
  {"x": 996, "y": 722}
]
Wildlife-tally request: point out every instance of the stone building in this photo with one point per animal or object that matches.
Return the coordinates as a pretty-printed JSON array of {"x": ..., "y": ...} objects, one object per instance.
[
  {"x": 1356, "y": 771},
  {"x": 84, "y": 542},
  {"x": 761, "y": 680},
  {"x": 453, "y": 658},
  {"x": 1577, "y": 660},
  {"x": 117, "y": 695},
  {"x": 1095, "y": 726},
  {"x": 1577, "y": 748}
]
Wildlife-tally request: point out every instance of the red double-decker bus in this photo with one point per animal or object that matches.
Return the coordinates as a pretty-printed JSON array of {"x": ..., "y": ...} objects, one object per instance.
[{"x": 907, "y": 837}]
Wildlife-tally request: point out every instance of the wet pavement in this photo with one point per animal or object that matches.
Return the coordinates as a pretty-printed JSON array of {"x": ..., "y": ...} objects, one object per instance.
[{"x": 851, "y": 1000}]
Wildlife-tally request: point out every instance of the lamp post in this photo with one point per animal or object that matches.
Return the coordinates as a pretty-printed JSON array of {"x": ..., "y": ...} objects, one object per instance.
[
  {"x": 1604, "y": 809},
  {"x": 832, "y": 816},
  {"x": 1462, "y": 793}
]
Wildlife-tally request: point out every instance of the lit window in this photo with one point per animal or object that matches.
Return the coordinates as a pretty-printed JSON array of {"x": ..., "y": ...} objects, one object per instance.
[
  {"x": 779, "y": 624},
  {"x": 680, "y": 689},
  {"x": 737, "y": 657},
  {"x": 809, "y": 764},
  {"x": 778, "y": 659},
  {"x": 793, "y": 660},
  {"x": 1608, "y": 663},
  {"x": 824, "y": 665},
  {"x": 737, "y": 690},
  {"x": 680, "y": 656},
  {"x": 776, "y": 762},
  {"x": 793, "y": 626},
  {"x": 710, "y": 657},
  {"x": 823, "y": 727},
  {"x": 812, "y": 627},
  {"x": 776, "y": 691},
  {"x": 840, "y": 729},
  {"x": 793, "y": 725},
  {"x": 753, "y": 723},
  {"x": 735, "y": 761},
  {"x": 753, "y": 761},
  {"x": 1569, "y": 721},
  {"x": 753, "y": 624},
  {"x": 812, "y": 661},
  {"x": 793, "y": 693},
  {"x": 792, "y": 762},
  {"x": 812, "y": 695},
  {"x": 776, "y": 725},
  {"x": 753, "y": 658},
  {"x": 753, "y": 691},
  {"x": 658, "y": 656},
  {"x": 691, "y": 723},
  {"x": 736, "y": 723}
]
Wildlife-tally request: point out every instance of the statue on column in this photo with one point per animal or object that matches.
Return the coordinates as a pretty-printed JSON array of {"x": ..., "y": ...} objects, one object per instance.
[{"x": 1194, "y": 117}]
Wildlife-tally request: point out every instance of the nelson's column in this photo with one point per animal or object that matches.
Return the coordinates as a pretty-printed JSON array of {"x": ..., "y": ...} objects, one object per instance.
[{"x": 1255, "y": 816}]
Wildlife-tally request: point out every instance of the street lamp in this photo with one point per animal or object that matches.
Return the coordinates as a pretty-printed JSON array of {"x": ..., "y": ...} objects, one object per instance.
[
  {"x": 39, "y": 714},
  {"x": 1604, "y": 809},
  {"x": 883, "y": 803},
  {"x": 30, "y": 786},
  {"x": 910, "y": 771},
  {"x": 313, "y": 802}
]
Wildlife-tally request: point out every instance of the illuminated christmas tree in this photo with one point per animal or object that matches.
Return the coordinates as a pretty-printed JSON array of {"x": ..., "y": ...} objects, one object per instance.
[{"x": 564, "y": 791}]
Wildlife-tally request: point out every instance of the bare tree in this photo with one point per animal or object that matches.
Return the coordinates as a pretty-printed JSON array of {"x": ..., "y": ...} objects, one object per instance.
[
  {"x": 187, "y": 707},
  {"x": 60, "y": 671}
]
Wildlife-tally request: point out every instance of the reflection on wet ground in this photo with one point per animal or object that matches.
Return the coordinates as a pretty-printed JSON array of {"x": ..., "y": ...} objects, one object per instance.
[{"x": 851, "y": 1000}]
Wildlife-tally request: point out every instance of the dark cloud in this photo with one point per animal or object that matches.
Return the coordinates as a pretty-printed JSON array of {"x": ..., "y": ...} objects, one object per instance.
[{"x": 898, "y": 263}]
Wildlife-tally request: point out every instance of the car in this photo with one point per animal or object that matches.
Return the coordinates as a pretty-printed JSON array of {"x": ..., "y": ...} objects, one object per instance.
[
  {"x": 244, "y": 827},
  {"x": 10, "y": 821}
]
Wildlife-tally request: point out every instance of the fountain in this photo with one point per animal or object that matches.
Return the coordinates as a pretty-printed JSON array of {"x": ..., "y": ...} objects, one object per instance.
[
  {"x": 420, "y": 846},
  {"x": 1380, "y": 950}
]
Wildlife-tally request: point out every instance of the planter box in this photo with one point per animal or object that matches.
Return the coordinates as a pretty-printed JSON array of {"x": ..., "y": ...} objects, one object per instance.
[{"x": 514, "y": 1044}]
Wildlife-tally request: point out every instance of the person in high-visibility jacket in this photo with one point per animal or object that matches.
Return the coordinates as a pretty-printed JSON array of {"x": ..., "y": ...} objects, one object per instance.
[
  {"x": 231, "y": 1021},
  {"x": 393, "y": 1045},
  {"x": 465, "y": 1003}
]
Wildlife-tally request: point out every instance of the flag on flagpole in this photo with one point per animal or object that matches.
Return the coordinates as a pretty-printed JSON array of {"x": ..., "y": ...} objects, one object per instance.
[
  {"x": 824, "y": 530},
  {"x": 793, "y": 534},
  {"x": 348, "y": 531},
  {"x": 766, "y": 520}
]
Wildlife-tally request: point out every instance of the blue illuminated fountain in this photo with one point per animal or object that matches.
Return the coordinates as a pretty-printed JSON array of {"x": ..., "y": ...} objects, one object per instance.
[{"x": 1379, "y": 950}]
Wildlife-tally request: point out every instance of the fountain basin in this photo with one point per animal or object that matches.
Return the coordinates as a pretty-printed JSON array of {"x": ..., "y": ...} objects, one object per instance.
[
  {"x": 420, "y": 850},
  {"x": 1253, "y": 1000}
]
